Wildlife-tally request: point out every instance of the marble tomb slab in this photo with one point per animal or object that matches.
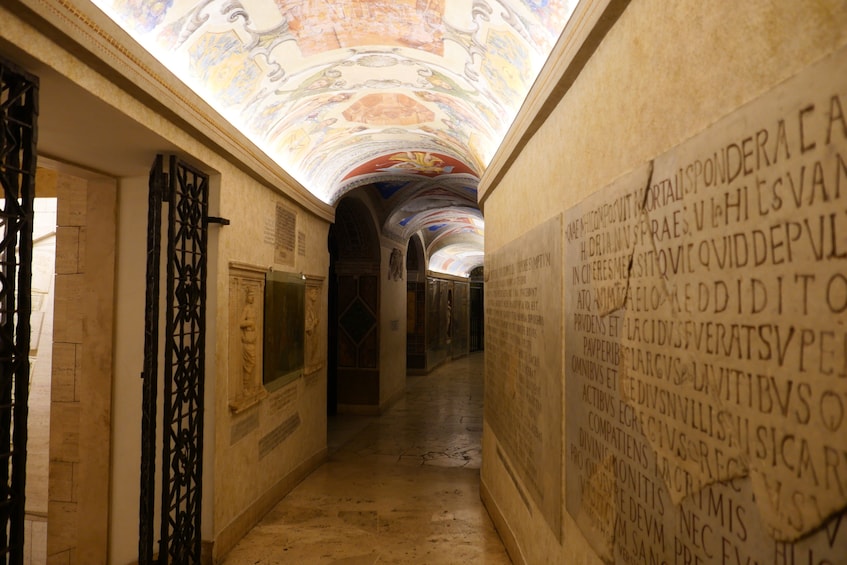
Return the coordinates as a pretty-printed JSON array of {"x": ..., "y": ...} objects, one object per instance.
[
  {"x": 706, "y": 341},
  {"x": 523, "y": 356}
]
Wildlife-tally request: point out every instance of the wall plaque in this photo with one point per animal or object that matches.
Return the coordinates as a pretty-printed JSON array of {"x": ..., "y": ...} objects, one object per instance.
[
  {"x": 523, "y": 357},
  {"x": 283, "y": 399},
  {"x": 285, "y": 235},
  {"x": 706, "y": 341},
  {"x": 301, "y": 243},
  {"x": 315, "y": 339},
  {"x": 285, "y": 327},
  {"x": 242, "y": 427},
  {"x": 273, "y": 439}
]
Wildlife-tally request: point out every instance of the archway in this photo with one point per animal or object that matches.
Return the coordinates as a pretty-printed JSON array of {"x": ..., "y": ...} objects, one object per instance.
[
  {"x": 354, "y": 288},
  {"x": 415, "y": 307}
]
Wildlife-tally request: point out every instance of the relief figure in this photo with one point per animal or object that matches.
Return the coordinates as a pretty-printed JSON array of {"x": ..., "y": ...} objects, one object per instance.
[
  {"x": 313, "y": 361},
  {"x": 248, "y": 342}
]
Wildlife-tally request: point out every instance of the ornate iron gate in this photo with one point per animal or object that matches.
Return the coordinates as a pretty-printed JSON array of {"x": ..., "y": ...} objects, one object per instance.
[
  {"x": 186, "y": 191},
  {"x": 18, "y": 117}
]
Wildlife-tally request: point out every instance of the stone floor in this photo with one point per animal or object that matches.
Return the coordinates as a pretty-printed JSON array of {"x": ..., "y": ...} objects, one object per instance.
[{"x": 401, "y": 488}]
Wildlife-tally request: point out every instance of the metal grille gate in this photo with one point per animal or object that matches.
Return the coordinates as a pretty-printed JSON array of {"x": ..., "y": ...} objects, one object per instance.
[
  {"x": 18, "y": 117},
  {"x": 186, "y": 191}
]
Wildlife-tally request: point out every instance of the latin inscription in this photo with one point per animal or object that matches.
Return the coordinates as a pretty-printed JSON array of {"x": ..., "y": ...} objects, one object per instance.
[
  {"x": 285, "y": 235},
  {"x": 523, "y": 361},
  {"x": 706, "y": 345},
  {"x": 301, "y": 243},
  {"x": 279, "y": 434},
  {"x": 284, "y": 399},
  {"x": 241, "y": 428}
]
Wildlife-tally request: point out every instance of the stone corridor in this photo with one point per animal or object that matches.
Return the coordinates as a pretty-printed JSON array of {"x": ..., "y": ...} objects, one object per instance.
[{"x": 400, "y": 488}]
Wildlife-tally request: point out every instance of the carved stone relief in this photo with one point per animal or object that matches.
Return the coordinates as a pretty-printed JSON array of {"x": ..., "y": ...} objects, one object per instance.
[
  {"x": 314, "y": 338},
  {"x": 246, "y": 298},
  {"x": 395, "y": 265}
]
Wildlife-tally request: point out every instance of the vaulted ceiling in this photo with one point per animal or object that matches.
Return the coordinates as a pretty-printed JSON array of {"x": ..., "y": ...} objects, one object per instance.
[{"x": 409, "y": 98}]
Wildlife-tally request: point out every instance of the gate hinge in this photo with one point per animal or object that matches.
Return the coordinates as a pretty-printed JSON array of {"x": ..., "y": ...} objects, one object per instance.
[{"x": 217, "y": 220}]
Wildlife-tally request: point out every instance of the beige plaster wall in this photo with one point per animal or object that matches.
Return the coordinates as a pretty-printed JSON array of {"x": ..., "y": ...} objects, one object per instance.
[
  {"x": 129, "y": 362},
  {"x": 662, "y": 74},
  {"x": 249, "y": 476},
  {"x": 240, "y": 481},
  {"x": 392, "y": 330},
  {"x": 238, "y": 486}
]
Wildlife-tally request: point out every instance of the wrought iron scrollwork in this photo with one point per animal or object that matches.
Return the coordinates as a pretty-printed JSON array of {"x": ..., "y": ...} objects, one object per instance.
[
  {"x": 186, "y": 192},
  {"x": 18, "y": 137},
  {"x": 157, "y": 186}
]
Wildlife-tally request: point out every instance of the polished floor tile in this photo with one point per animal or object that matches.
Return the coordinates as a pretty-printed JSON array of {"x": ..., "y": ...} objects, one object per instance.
[{"x": 401, "y": 488}]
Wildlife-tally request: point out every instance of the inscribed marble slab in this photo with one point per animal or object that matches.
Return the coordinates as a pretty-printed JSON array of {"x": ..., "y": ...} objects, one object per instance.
[
  {"x": 706, "y": 341},
  {"x": 279, "y": 434},
  {"x": 523, "y": 389}
]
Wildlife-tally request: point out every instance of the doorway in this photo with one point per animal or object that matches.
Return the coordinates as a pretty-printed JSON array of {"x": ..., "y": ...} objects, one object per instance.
[
  {"x": 415, "y": 307},
  {"x": 354, "y": 288}
]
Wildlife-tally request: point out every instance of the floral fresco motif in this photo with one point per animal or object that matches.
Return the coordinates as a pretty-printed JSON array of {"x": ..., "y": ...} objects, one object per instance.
[
  {"x": 412, "y": 163},
  {"x": 552, "y": 14},
  {"x": 308, "y": 79},
  {"x": 411, "y": 97},
  {"x": 219, "y": 61},
  {"x": 144, "y": 14},
  {"x": 507, "y": 66}
]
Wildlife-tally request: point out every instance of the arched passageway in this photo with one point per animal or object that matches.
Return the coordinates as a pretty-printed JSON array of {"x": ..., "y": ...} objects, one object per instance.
[{"x": 354, "y": 317}]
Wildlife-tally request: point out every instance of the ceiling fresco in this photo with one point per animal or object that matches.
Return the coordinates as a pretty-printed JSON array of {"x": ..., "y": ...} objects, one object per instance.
[{"x": 407, "y": 95}]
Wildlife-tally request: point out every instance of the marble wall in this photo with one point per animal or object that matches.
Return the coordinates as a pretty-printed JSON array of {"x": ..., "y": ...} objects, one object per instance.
[
  {"x": 698, "y": 344},
  {"x": 392, "y": 324}
]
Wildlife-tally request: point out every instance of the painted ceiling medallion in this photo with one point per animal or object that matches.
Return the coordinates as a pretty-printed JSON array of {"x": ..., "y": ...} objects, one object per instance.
[
  {"x": 320, "y": 26},
  {"x": 385, "y": 109}
]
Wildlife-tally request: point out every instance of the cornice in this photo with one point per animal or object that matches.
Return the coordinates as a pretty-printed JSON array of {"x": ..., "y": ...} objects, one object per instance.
[{"x": 589, "y": 24}]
